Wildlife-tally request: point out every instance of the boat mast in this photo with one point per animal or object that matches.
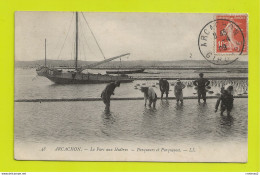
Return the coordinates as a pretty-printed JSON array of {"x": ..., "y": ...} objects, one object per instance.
[
  {"x": 76, "y": 59},
  {"x": 45, "y": 54}
]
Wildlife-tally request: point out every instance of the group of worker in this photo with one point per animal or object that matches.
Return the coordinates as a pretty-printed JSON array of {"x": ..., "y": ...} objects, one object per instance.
[{"x": 225, "y": 100}]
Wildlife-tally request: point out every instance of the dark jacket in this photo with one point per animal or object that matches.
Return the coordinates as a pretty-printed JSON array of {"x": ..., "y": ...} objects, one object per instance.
[
  {"x": 226, "y": 100},
  {"x": 164, "y": 85},
  {"x": 178, "y": 88},
  {"x": 108, "y": 91},
  {"x": 201, "y": 83}
]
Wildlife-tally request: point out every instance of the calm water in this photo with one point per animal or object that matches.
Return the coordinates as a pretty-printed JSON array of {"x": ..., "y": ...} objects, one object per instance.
[
  {"x": 154, "y": 73},
  {"x": 30, "y": 86},
  {"x": 71, "y": 122},
  {"x": 86, "y": 122}
]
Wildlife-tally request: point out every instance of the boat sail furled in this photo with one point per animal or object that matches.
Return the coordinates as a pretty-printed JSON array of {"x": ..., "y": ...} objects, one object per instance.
[{"x": 77, "y": 76}]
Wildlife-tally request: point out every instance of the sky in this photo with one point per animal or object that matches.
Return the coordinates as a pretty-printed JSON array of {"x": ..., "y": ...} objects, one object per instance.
[{"x": 146, "y": 36}]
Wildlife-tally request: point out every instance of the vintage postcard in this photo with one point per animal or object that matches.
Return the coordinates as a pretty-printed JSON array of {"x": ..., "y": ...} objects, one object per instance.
[{"x": 162, "y": 87}]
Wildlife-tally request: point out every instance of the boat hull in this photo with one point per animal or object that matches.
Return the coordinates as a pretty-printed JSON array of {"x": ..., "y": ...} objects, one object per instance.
[
  {"x": 41, "y": 71},
  {"x": 71, "y": 77}
]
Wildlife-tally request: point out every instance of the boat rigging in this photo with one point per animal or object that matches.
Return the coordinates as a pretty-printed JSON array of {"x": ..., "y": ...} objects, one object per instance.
[{"x": 58, "y": 75}]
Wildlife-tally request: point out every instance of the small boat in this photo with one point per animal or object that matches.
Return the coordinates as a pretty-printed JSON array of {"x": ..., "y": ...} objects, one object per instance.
[
  {"x": 62, "y": 75},
  {"x": 131, "y": 71}
]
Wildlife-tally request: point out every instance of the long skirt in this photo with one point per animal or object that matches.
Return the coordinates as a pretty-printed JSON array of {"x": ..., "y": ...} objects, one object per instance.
[{"x": 179, "y": 96}]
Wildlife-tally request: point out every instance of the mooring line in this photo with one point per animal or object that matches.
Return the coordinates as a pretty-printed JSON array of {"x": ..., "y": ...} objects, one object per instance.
[{"x": 99, "y": 99}]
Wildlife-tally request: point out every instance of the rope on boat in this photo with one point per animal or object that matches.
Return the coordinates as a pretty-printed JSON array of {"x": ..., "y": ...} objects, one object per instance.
[
  {"x": 66, "y": 37},
  {"x": 93, "y": 35}
]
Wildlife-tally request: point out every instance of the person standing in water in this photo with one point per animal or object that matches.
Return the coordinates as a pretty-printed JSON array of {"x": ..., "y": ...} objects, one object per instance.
[
  {"x": 107, "y": 92},
  {"x": 178, "y": 91},
  {"x": 164, "y": 87},
  {"x": 201, "y": 84},
  {"x": 149, "y": 94},
  {"x": 226, "y": 100}
]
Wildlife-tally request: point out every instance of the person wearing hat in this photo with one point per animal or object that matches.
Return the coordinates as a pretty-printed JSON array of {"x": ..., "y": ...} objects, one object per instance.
[
  {"x": 107, "y": 92},
  {"x": 164, "y": 87},
  {"x": 201, "y": 84},
  {"x": 178, "y": 91},
  {"x": 149, "y": 94},
  {"x": 226, "y": 100}
]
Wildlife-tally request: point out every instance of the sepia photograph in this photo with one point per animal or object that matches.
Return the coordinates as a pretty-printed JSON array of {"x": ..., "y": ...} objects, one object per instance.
[{"x": 128, "y": 86}]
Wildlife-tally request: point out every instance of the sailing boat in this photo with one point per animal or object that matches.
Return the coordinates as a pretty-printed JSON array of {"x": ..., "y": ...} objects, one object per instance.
[{"x": 76, "y": 75}]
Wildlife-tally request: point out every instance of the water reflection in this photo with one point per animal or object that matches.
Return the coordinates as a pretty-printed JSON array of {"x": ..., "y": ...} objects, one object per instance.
[
  {"x": 202, "y": 108},
  {"x": 225, "y": 128},
  {"x": 226, "y": 120},
  {"x": 56, "y": 85},
  {"x": 201, "y": 122},
  {"x": 179, "y": 109},
  {"x": 149, "y": 112},
  {"x": 108, "y": 121},
  {"x": 149, "y": 115},
  {"x": 179, "y": 106},
  {"x": 107, "y": 115},
  {"x": 149, "y": 124},
  {"x": 130, "y": 120},
  {"x": 178, "y": 119},
  {"x": 164, "y": 104}
]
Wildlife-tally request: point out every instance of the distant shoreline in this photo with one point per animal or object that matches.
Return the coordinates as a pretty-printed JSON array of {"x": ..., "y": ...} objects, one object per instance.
[
  {"x": 177, "y": 68},
  {"x": 136, "y": 64},
  {"x": 157, "y": 68}
]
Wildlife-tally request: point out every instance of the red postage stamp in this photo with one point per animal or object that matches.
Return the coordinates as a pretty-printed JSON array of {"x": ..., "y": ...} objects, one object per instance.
[{"x": 231, "y": 34}]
